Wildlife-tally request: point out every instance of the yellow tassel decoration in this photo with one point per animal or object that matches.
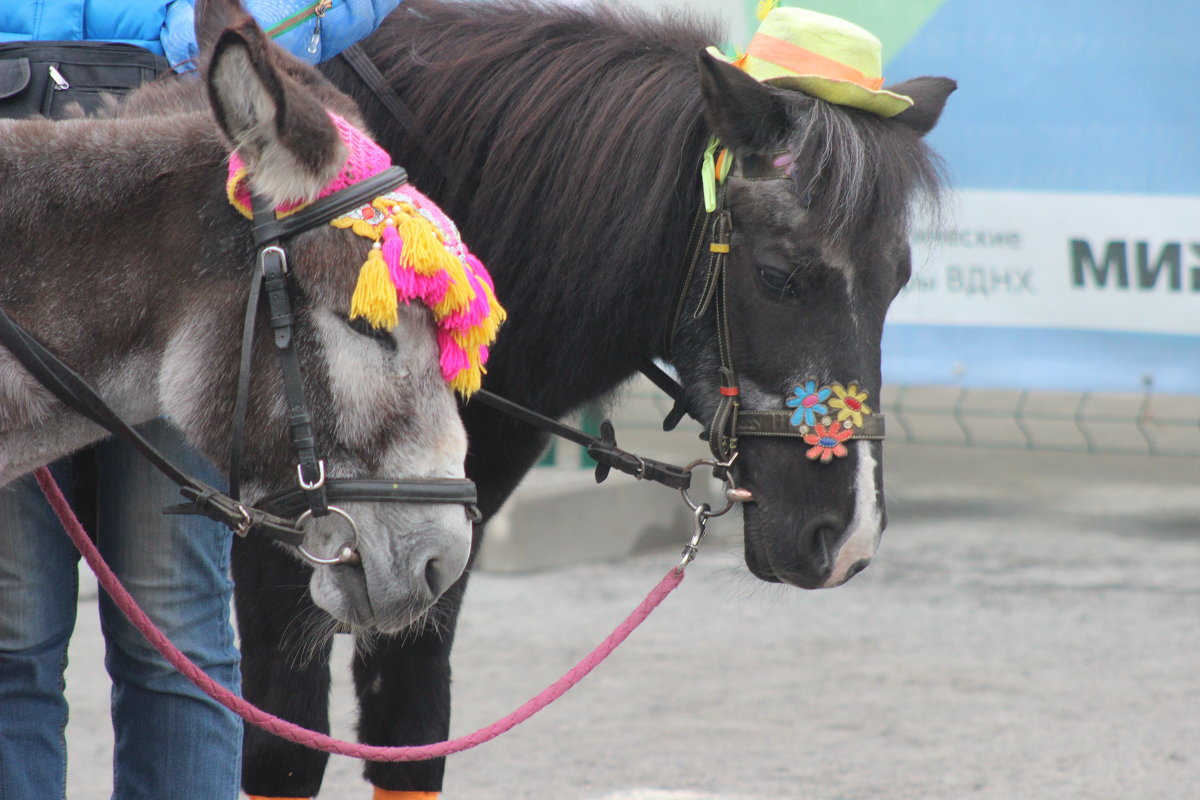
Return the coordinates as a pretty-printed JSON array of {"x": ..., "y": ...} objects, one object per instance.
[
  {"x": 375, "y": 295},
  {"x": 422, "y": 248},
  {"x": 459, "y": 293},
  {"x": 360, "y": 227},
  {"x": 467, "y": 382}
]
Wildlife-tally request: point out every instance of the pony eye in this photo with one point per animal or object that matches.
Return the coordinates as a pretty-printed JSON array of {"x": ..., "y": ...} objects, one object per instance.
[
  {"x": 364, "y": 328},
  {"x": 779, "y": 284}
]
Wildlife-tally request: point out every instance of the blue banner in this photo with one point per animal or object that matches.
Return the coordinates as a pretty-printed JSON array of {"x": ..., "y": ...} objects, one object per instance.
[{"x": 1068, "y": 256}]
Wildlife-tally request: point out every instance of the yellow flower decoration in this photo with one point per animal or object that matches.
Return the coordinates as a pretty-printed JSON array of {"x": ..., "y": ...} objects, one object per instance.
[{"x": 849, "y": 403}]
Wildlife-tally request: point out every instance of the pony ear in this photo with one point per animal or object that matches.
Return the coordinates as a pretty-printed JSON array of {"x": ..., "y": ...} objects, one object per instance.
[
  {"x": 929, "y": 98},
  {"x": 743, "y": 113},
  {"x": 212, "y": 17},
  {"x": 282, "y": 132}
]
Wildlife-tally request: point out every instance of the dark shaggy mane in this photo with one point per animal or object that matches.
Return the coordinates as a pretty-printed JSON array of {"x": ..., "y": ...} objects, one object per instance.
[{"x": 574, "y": 138}]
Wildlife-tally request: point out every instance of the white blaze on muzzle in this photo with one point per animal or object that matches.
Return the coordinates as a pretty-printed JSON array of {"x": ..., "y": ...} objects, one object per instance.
[{"x": 866, "y": 526}]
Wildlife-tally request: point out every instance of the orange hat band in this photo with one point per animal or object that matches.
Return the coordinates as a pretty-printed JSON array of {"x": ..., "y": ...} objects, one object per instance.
[{"x": 803, "y": 61}]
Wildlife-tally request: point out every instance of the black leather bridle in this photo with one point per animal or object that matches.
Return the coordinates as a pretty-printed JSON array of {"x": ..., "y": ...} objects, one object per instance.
[
  {"x": 283, "y": 515},
  {"x": 708, "y": 252}
]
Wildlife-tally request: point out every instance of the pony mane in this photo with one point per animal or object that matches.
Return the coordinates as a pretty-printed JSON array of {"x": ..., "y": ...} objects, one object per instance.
[
  {"x": 859, "y": 174},
  {"x": 573, "y": 138}
]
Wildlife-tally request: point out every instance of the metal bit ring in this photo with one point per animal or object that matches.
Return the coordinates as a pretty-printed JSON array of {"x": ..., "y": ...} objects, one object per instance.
[
  {"x": 729, "y": 486},
  {"x": 348, "y": 554}
]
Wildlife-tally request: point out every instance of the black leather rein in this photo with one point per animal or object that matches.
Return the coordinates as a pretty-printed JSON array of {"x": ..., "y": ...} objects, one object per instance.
[{"x": 282, "y": 515}]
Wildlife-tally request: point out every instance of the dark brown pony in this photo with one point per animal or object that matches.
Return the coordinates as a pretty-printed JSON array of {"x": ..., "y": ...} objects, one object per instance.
[{"x": 574, "y": 141}]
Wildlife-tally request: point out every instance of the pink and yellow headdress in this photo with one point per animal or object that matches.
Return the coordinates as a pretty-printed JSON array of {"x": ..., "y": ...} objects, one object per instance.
[{"x": 417, "y": 254}]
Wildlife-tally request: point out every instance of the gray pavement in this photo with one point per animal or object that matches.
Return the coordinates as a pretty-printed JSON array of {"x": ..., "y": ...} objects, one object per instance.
[{"x": 1030, "y": 629}]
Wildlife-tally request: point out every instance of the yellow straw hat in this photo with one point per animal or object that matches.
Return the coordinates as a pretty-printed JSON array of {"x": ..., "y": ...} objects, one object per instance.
[{"x": 821, "y": 55}]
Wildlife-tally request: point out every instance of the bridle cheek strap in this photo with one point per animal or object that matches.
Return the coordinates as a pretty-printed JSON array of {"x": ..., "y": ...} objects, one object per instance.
[{"x": 310, "y": 467}]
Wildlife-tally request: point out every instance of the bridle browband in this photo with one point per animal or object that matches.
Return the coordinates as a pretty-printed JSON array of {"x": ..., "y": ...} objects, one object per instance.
[{"x": 282, "y": 516}]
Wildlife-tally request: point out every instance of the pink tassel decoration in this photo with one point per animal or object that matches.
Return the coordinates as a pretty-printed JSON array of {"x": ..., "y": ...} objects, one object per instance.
[
  {"x": 419, "y": 255},
  {"x": 393, "y": 252},
  {"x": 480, "y": 271},
  {"x": 453, "y": 358},
  {"x": 431, "y": 288}
]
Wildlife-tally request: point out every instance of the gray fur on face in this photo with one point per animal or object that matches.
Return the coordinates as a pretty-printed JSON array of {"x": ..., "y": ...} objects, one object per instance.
[{"x": 121, "y": 253}]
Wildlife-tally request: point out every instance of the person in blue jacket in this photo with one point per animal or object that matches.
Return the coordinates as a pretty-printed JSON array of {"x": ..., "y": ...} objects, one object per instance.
[
  {"x": 171, "y": 740},
  {"x": 312, "y": 30}
]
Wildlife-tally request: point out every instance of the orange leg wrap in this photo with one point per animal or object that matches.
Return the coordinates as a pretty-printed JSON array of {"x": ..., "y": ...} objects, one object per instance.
[{"x": 380, "y": 794}]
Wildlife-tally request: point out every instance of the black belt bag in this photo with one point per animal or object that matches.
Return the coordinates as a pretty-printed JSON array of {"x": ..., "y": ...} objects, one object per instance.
[{"x": 47, "y": 77}]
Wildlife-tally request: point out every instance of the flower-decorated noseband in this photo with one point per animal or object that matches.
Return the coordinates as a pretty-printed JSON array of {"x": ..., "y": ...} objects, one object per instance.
[{"x": 827, "y": 416}]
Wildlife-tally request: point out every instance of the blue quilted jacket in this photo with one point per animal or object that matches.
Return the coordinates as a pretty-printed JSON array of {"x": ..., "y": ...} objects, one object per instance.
[{"x": 167, "y": 26}]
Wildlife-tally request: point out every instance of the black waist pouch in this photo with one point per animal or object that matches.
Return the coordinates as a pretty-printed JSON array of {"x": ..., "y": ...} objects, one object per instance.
[{"x": 47, "y": 77}]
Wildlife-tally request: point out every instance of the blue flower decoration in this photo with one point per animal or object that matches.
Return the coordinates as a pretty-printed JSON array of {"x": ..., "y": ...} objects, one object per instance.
[{"x": 809, "y": 403}]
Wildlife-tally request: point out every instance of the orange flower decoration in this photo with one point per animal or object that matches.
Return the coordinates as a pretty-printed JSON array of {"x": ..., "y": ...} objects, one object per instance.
[{"x": 826, "y": 441}]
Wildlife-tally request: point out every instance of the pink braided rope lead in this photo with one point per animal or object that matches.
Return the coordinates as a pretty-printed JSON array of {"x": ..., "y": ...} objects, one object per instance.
[{"x": 303, "y": 736}]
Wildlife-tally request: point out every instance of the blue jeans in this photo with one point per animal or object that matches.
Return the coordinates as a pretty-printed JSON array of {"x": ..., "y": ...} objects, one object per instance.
[{"x": 171, "y": 740}]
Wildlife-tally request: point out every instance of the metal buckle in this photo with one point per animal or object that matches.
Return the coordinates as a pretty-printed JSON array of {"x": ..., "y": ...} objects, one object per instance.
[
  {"x": 243, "y": 527},
  {"x": 312, "y": 487},
  {"x": 275, "y": 250},
  {"x": 641, "y": 473},
  {"x": 699, "y": 520},
  {"x": 702, "y": 512}
]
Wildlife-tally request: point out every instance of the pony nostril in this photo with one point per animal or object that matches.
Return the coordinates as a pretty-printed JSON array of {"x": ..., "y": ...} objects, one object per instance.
[
  {"x": 857, "y": 567},
  {"x": 819, "y": 539},
  {"x": 431, "y": 576},
  {"x": 436, "y": 578}
]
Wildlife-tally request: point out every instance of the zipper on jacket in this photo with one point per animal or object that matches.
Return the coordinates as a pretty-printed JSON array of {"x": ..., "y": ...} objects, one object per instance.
[
  {"x": 60, "y": 83},
  {"x": 317, "y": 9}
]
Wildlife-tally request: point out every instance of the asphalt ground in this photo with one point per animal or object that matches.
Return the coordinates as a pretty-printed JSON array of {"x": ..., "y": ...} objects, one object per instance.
[{"x": 1030, "y": 629}]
